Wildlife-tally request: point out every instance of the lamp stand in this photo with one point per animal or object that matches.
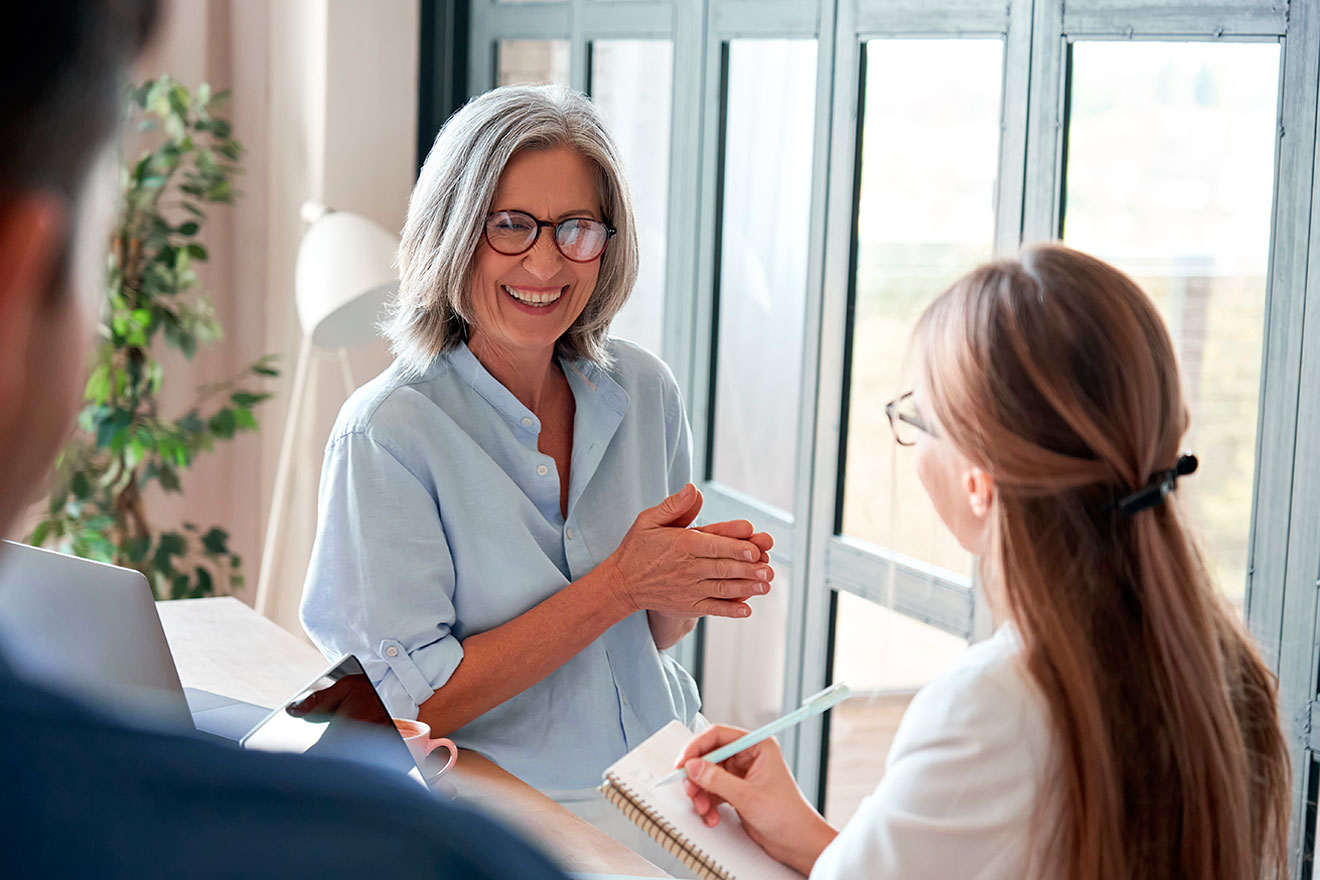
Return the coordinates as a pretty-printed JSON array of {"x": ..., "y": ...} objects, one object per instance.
[
  {"x": 283, "y": 471},
  {"x": 275, "y": 523}
]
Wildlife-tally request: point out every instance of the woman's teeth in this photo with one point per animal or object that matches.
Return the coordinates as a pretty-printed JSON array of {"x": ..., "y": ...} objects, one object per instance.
[{"x": 532, "y": 298}]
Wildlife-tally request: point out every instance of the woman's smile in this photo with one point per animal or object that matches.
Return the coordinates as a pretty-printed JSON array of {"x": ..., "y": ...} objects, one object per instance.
[{"x": 535, "y": 298}]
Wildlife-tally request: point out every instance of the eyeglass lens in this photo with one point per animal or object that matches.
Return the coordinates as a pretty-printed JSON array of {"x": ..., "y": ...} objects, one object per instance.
[
  {"x": 905, "y": 420},
  {"x": 580, "y": 239}
]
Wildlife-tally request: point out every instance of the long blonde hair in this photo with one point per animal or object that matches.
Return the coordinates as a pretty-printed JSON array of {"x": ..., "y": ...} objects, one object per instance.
[{"x": 1055, "y": 373}]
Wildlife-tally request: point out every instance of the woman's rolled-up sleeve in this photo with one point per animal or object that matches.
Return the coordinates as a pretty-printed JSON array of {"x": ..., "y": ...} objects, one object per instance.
[{"x": 380, "y": 584}]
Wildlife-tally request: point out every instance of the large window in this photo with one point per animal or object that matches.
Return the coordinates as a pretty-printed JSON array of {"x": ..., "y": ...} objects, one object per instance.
[
  {"x": 808, "y": 173},
  {"x": 632, "y": 83},
  {"x": 769, "y": 107},
  {"x": 925, "y": 214},
  {"x": 884, "y": 657},
  {"x": 1170, "y": 177},
  {"x": 759, "y": 305},
  {"x": 533, "y": 62}
]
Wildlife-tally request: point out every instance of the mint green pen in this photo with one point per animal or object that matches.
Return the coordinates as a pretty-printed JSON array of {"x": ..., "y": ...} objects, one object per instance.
[{"x": 812, "y": 705}]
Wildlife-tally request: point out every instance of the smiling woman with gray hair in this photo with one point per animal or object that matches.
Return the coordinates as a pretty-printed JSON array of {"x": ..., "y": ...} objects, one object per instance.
[
  {"x": 503, "y": 536},
  {"x": 448, "y": 217}
]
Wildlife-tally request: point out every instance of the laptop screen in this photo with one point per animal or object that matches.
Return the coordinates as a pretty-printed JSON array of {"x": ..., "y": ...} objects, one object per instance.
[
  {"x": 337, "y": 716},
  {"x": 91, "y": 631}
]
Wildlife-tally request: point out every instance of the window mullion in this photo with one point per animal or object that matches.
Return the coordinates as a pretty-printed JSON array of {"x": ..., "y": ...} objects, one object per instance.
[
  {"x": 1044, "y": 164},
  {"x": 1283, "y": 598}
]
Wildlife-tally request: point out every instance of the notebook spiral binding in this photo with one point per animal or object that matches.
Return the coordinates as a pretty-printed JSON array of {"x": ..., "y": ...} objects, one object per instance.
[{"x": 675, "y": 843}]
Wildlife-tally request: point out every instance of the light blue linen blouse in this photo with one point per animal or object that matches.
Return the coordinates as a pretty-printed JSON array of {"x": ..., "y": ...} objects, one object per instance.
[{"x": 439, "y": 518}]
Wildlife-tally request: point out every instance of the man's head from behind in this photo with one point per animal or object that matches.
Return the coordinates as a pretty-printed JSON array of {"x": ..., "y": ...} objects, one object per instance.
[{"x": 63, "y": 64}]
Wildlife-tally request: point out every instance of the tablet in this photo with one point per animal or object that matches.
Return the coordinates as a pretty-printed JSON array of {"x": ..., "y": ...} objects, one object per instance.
[{"x": 339, "y": 715}]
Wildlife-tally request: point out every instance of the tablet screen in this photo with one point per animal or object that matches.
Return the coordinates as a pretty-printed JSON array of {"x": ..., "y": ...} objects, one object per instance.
[{"x": 337, "y": 716}]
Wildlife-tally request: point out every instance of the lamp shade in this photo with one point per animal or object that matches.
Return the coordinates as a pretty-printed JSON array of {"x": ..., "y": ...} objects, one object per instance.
[{"x": 343, "y": 279}]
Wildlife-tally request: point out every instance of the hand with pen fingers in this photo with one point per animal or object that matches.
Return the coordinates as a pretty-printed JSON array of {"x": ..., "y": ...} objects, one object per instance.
[
  {"x": 757, "y": 783},
  {"x": 663, "y": 566}
]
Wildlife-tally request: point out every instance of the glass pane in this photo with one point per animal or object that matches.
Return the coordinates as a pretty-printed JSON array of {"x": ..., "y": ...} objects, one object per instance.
[
  {"x": 925, "y": 215},
  {"x": 885, "y": 658},
  {"x": 631, "y": 83},
  {"x": 1170, "y": 177},
  {"x": 769, "y": 125},
  {"x": 743, "y": 664},
  {"x": 532, "y": 61}
]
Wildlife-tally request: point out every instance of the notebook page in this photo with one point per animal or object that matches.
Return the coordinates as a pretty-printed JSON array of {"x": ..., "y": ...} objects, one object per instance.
[{"x": 727, "y": 843}]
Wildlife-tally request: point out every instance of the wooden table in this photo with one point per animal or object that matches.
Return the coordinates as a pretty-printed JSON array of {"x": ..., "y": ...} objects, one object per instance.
[{"x": 223, "y": 646}]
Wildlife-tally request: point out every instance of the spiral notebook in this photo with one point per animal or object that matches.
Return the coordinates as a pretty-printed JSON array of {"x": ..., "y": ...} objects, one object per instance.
[{"x": 724, "y": 852}]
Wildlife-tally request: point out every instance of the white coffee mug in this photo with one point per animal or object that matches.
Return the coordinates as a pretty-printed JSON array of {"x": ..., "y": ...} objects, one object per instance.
[{"x": 417, "y": 734}]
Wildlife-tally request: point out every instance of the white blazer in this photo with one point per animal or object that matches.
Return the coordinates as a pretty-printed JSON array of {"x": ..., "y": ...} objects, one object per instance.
[{"x": 961, "y": 781}]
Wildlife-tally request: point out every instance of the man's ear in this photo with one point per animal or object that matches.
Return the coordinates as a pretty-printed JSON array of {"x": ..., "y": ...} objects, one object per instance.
[
  {"x": 980, "y": 488},
  {"x": 32, "y": 234}
]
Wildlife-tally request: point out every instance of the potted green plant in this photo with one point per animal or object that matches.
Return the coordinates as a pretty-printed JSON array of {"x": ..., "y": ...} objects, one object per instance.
[{"x": 124, "y": 442}]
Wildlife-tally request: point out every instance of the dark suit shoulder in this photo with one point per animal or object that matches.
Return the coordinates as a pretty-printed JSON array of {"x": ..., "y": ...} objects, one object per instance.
[{"x": 86, "y": 795}]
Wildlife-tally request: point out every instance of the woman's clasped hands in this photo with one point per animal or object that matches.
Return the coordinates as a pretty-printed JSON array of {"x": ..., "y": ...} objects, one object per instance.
[{"x": 663, "y": 566}]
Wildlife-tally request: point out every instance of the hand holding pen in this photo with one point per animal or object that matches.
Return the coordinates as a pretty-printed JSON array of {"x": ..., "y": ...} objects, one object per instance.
[
  {"x": 812, "y": 705},
  {"x": 757, "y": 783}
]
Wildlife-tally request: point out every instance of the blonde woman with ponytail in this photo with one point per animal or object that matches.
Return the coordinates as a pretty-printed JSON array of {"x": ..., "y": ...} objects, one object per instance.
[{"x": 1120, "y": 722}]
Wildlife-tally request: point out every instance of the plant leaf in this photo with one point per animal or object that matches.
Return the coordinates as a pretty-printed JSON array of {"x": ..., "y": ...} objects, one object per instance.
[
  {"x": 205, "y": 586},
  {"x": 216, "y": 541},
  {"x": 169, "y": 479}
]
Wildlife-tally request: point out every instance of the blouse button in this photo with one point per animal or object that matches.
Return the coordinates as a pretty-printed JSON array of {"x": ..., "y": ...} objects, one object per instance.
[
  {"x": 391, "y": 651},
  {"x": 542, "y": 470},
  {"x": 526, "y": 422},
  {"x": 569, "y": 532}
]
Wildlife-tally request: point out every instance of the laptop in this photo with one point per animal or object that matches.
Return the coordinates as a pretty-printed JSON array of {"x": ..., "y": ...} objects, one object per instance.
[{"x": 90, "y": 630}]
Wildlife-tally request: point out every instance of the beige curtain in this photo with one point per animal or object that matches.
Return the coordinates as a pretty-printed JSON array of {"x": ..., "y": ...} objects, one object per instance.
[{"x": 325, "y": 101}]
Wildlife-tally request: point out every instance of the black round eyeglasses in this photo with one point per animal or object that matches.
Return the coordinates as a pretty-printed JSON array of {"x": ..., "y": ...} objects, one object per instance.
[
  {"x": 905, "y": 420},
  {"x": 579, "y": 239}
]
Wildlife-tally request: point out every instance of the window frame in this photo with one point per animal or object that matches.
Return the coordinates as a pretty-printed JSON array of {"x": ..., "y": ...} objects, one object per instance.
[{"x": 1283, "y": 581}]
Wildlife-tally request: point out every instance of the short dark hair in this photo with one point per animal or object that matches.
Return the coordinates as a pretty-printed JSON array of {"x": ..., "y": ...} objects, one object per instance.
[{"x": 62, "y": 63}]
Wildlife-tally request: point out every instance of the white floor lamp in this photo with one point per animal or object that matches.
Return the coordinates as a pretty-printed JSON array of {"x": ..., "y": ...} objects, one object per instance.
[{"x": 343, "y": 279}]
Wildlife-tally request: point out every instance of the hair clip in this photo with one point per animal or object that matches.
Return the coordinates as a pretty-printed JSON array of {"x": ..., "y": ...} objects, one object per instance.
[{"x": 1157, "y": 487}]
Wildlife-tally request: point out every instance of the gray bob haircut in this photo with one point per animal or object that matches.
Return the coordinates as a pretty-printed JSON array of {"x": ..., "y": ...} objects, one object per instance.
[{"x": 447, "y": 217}]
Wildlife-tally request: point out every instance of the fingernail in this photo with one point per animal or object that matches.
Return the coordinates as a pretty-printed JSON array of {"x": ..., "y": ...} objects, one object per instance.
[
  {"x": 744, "y": 611},
  {"x": 762, "y": 589},
  {"x": 763, "y": 574},
  {"x": 693, "y": 768},
  {"x": 750, "y": 556}
]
